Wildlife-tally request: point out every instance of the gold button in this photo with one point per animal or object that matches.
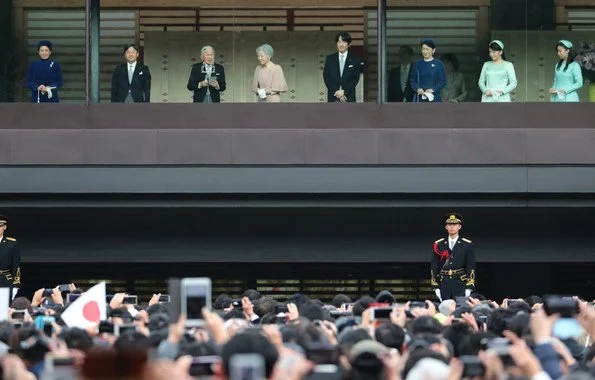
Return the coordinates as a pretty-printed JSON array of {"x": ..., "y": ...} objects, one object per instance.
[{"x": 450, "y": 272}]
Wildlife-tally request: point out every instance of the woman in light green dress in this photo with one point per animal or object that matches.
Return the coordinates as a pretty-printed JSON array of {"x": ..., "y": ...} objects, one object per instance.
[
  {"x": 568, "y": 77},
  {"x": 497, "y": 77}
]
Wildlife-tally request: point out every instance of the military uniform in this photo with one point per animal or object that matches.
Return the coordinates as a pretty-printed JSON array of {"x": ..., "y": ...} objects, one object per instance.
[
  {"x": 10, "y": 260},
  {"x": 453, "y": 271}
]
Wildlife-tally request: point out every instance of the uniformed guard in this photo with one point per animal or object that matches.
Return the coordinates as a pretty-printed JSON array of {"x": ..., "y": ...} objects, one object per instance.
[
  {"x": 453, "y": 262},
  {"x": 10, "y": 259}
]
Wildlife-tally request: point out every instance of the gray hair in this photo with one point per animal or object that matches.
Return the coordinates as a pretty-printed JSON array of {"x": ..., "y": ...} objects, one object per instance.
[
  {"x": 429, "y": 369},
  {"x": 204, "y": 49},
  {"x": 266, "y": 49},
  {"x": 445, "y": 306}
]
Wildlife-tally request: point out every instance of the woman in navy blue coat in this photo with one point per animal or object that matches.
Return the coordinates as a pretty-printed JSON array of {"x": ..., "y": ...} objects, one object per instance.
[
  {"x": 428, "y": 76},
  {"x": 44, "y": 76}
]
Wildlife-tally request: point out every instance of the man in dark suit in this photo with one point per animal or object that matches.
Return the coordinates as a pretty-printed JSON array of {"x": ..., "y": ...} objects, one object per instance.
[
  {"x": 453, "y": 262},
  {"x": 399, "y": 78},
  {"x": 341, "y": 71},
  {"x": 10, "y": 259},
  {"x": 131, "y": 81},
  {"x": 207, "y": 78}
]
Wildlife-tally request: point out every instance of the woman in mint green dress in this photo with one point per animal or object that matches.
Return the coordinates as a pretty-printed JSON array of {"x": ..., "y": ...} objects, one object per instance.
[
  {"x": 497, "y": 77},
  {"x": 568, "y": 77}
]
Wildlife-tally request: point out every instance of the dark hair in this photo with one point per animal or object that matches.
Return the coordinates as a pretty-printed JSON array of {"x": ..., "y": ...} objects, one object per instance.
[
  {"x": 6, "y": 331},
  {"x": 344, "y": 36},
  {"x": 385, "y": 297},
  {"x": 350, "y": 336},
  {"x": 429, "y": 42},
  {"x": 340, "y": 299},
  {"x": 390, "y": 335},
  {"x": 235, "y": 313},
  {"x": 128, "y": 46},
  {"x": 250, "y": 344},
  {"x": 408, "y": 48},
  {"x": 312, "y": 311},
  {"x": 76, "y": 338},
  {"x": 264, "y": 305},
  {"x": 569, "y": 60},
  {"x": 426, "y": 325},
  {"x": 362, "y": 304},
  {"x": 132, "y": 342},
  {"x": 495, "y": 47},
  {"x": 450, "y": 57},
  {"x": 252, "y": 294},
  {"x": 222, "y": 302}
]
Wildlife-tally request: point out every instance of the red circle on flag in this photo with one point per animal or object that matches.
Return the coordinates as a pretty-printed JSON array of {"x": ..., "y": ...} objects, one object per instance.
[{"x": 91, "y": 311}]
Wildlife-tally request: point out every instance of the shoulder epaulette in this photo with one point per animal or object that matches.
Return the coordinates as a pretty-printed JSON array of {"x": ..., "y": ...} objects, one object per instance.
[
  {"x": 11, "y": 239},
  {"x": 439, "y": 240},
  {"x": 466, "y": 240}
]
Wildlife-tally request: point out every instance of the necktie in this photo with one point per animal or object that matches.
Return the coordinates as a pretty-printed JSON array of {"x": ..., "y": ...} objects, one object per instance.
[
  {"x": 451, "y": 244},
  {"x": 130, "y": 72},
  {"x": 341, "y": 62}
]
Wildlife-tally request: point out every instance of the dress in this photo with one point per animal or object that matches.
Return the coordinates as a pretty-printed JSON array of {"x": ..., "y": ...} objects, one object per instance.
[
  {"x": 428, "y": 75},
  {"x": 271, "y": 78},
  {"x": 569, "y": 80},
  {"x": 48, "y": 73},
  {"x": 455, "y": 87},
  {"x": 497, "y": 77}
]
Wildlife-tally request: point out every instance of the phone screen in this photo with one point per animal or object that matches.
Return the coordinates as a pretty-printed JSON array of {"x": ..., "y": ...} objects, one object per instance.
[
  {"x": 196, "y": 299},
  {"x": 382, "y": 313},
  {"x": 164, "y": 298}
]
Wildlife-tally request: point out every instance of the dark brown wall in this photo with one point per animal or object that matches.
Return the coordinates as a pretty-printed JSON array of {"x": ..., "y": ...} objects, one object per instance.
[{"x": 297, "y": 134}]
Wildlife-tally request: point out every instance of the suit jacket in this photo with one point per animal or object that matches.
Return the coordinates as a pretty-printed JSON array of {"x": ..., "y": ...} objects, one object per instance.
[
  {"x": 461, "y": 256},
  {"x": 10, "y": 261},
  {"x": 394, "y": 92},
  {"x": 197, "y": 76},
  {"x": 333, "y": 79},
  {"x": 140, "y": 88}
]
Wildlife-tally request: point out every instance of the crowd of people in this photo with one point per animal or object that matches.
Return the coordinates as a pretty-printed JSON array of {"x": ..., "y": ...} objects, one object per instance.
[
  {"x": 303, "y": 338},
  {"x": 425, "y": 80}
]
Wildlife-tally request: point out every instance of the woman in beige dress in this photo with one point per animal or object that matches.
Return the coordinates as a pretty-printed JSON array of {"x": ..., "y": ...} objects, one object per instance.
[{"x": 269, "y": 81}]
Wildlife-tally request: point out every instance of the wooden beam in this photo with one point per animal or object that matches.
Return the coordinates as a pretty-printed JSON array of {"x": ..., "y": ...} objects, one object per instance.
[
  {"x": 575, "y": 3},
  {"x": 561, "y": 18},
  {"x": 248, "y": 3}
]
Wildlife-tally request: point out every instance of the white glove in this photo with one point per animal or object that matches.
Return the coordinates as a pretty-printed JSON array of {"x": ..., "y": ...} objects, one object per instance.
[
  {"x": 429, "y": 96},
  {"x": 262, "y": 93},
  {"x": 561, "y": 95},
  {"x": 467, "y": 292},
  {"x": 437, "y": 291}
]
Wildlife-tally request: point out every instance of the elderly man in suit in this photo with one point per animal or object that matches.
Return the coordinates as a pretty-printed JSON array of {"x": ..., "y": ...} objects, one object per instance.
[
  {"x": 341, "y": 71},
  {"x": 399, "y": 78},
  {"x": 207, "y": 78},
  {"x": 131, "y": 80}
]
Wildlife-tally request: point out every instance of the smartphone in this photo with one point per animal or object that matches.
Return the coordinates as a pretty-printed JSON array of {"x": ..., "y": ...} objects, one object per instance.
[
  {"x": 19, "y": 314},
  {"x": 236, "y": 304},
  {"x": 282, "y": 308},
  {"x": 125, "y": 328},
  {"x": 60, "y": 368},
  {"x": 44, "y": 323},
  {"x": 417, "y": 304},
  {"x": 203, "y": 365},
  {"x": 460, "y": 301},
  {"x": 106, "y": 327},
  {"x": 472, "y": 366},
  {"x": 322, "y": 355},
  {"x": 380, "y": 313},
  {"x": 71, "y": 297},
  {"x": 195, "y": 294},
  {"x": 246, "y": 367},
  {"x": 483, "y": 319},
  {"x": 164, "y": 298},
  {"x": 64, "y": 288},
  {"x": 500, "y": 347},
  {"x": 130, "y": 300},
  {"x": 567, "y": 307}
]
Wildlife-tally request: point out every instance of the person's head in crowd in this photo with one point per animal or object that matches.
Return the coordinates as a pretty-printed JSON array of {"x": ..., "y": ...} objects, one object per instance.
[
  {"x": 235, "y": 313},
  {"x": 236, "y": 325},
  {"x": 30, "y": 345},
  {"x": 249, "y": 344},
  {"x": 519, "y": 324},
  {"x": 198, "y": 349},
  {"x": 361, "y": 305},
  {"x": 418, "y": 355},
  {"x": 478, "y": 296},
  {"x": 500, "y": 320},
  {"x": 264, "y": 305},
  {"x": 222, "y": 302},
  {"x": 532, "y": 300},
  {"x": 496, "y": 50},
  {"x": 456, "y": 334},
  {"x": 433, "y": 342},
  {"x": 268, "y": 318},
  {"x": 131, "y": 342},
  {"x": 405, "y": 54},
  {"x": 252, "y": 294},
  {"x": 474, "y": 343},
  {"x": 519, "y": 306},
  {"x": 298, "y": 299},
  {"x": 566, "y": 53},
  {"x": 6, "y": 331},
  {"x": 130, "y": 53},
  {"x": 385, "y": 297},
  {"x": 340, "y": 299},
  {"x": 428, "y": 48},
  {"x": 429, "y": 369},
  {"x": 426, "y": 325},
  {"x": 451, "y": 62},
  {"x": 264, "y": 54},
  {"x": 158, "y": 321},
  {"x": 158, "y": 308},
  {"x": 365, "y": 358},
  {"x": 447, "y": 307},
  {"x": 346, "y": 322},
  {"x": 303, "y": 333},
  {"x": 390, "y": 335},
  {"x": 350, "y": 336},
  {"x": 21, "y": 303},
  {"x": 77, "y": 339},
  {"x": 120, "y": 316},
  {"x": 458, "y": 312},
  {"x": 312, "y": 311}
]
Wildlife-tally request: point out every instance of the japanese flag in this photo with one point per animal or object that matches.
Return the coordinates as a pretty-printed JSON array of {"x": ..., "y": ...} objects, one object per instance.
[{"x": 88, "y": 309}]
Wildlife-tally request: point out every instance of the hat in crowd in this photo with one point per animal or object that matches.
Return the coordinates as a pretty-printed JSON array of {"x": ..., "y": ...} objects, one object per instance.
[
  {"x": 367, "y": 348},
  {"x": 567, "y": 44},
  {"x": 3, "y": 220},
  {"x": 430, "y": 42},
  {"x": 453, "y": 218},
  {"x": 45, "y": 43},
  {"x": 385, "y": 297},
  {"x": 499, "y": 43}
]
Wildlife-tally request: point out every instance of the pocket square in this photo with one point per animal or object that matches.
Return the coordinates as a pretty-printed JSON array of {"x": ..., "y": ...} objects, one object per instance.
[
  {"x": 350, "y": 66},
  {"x": 141, "y": 73}
]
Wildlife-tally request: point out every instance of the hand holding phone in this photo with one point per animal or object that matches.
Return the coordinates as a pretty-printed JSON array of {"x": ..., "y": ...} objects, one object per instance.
[{"x": 195, "y": 294}]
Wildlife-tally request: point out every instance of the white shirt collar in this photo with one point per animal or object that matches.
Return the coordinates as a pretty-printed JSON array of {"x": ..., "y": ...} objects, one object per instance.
[
  {"x": 344, "y": 55},
  {"x": 133, "y": 64},
  {"x": 454, "y": 240}
]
